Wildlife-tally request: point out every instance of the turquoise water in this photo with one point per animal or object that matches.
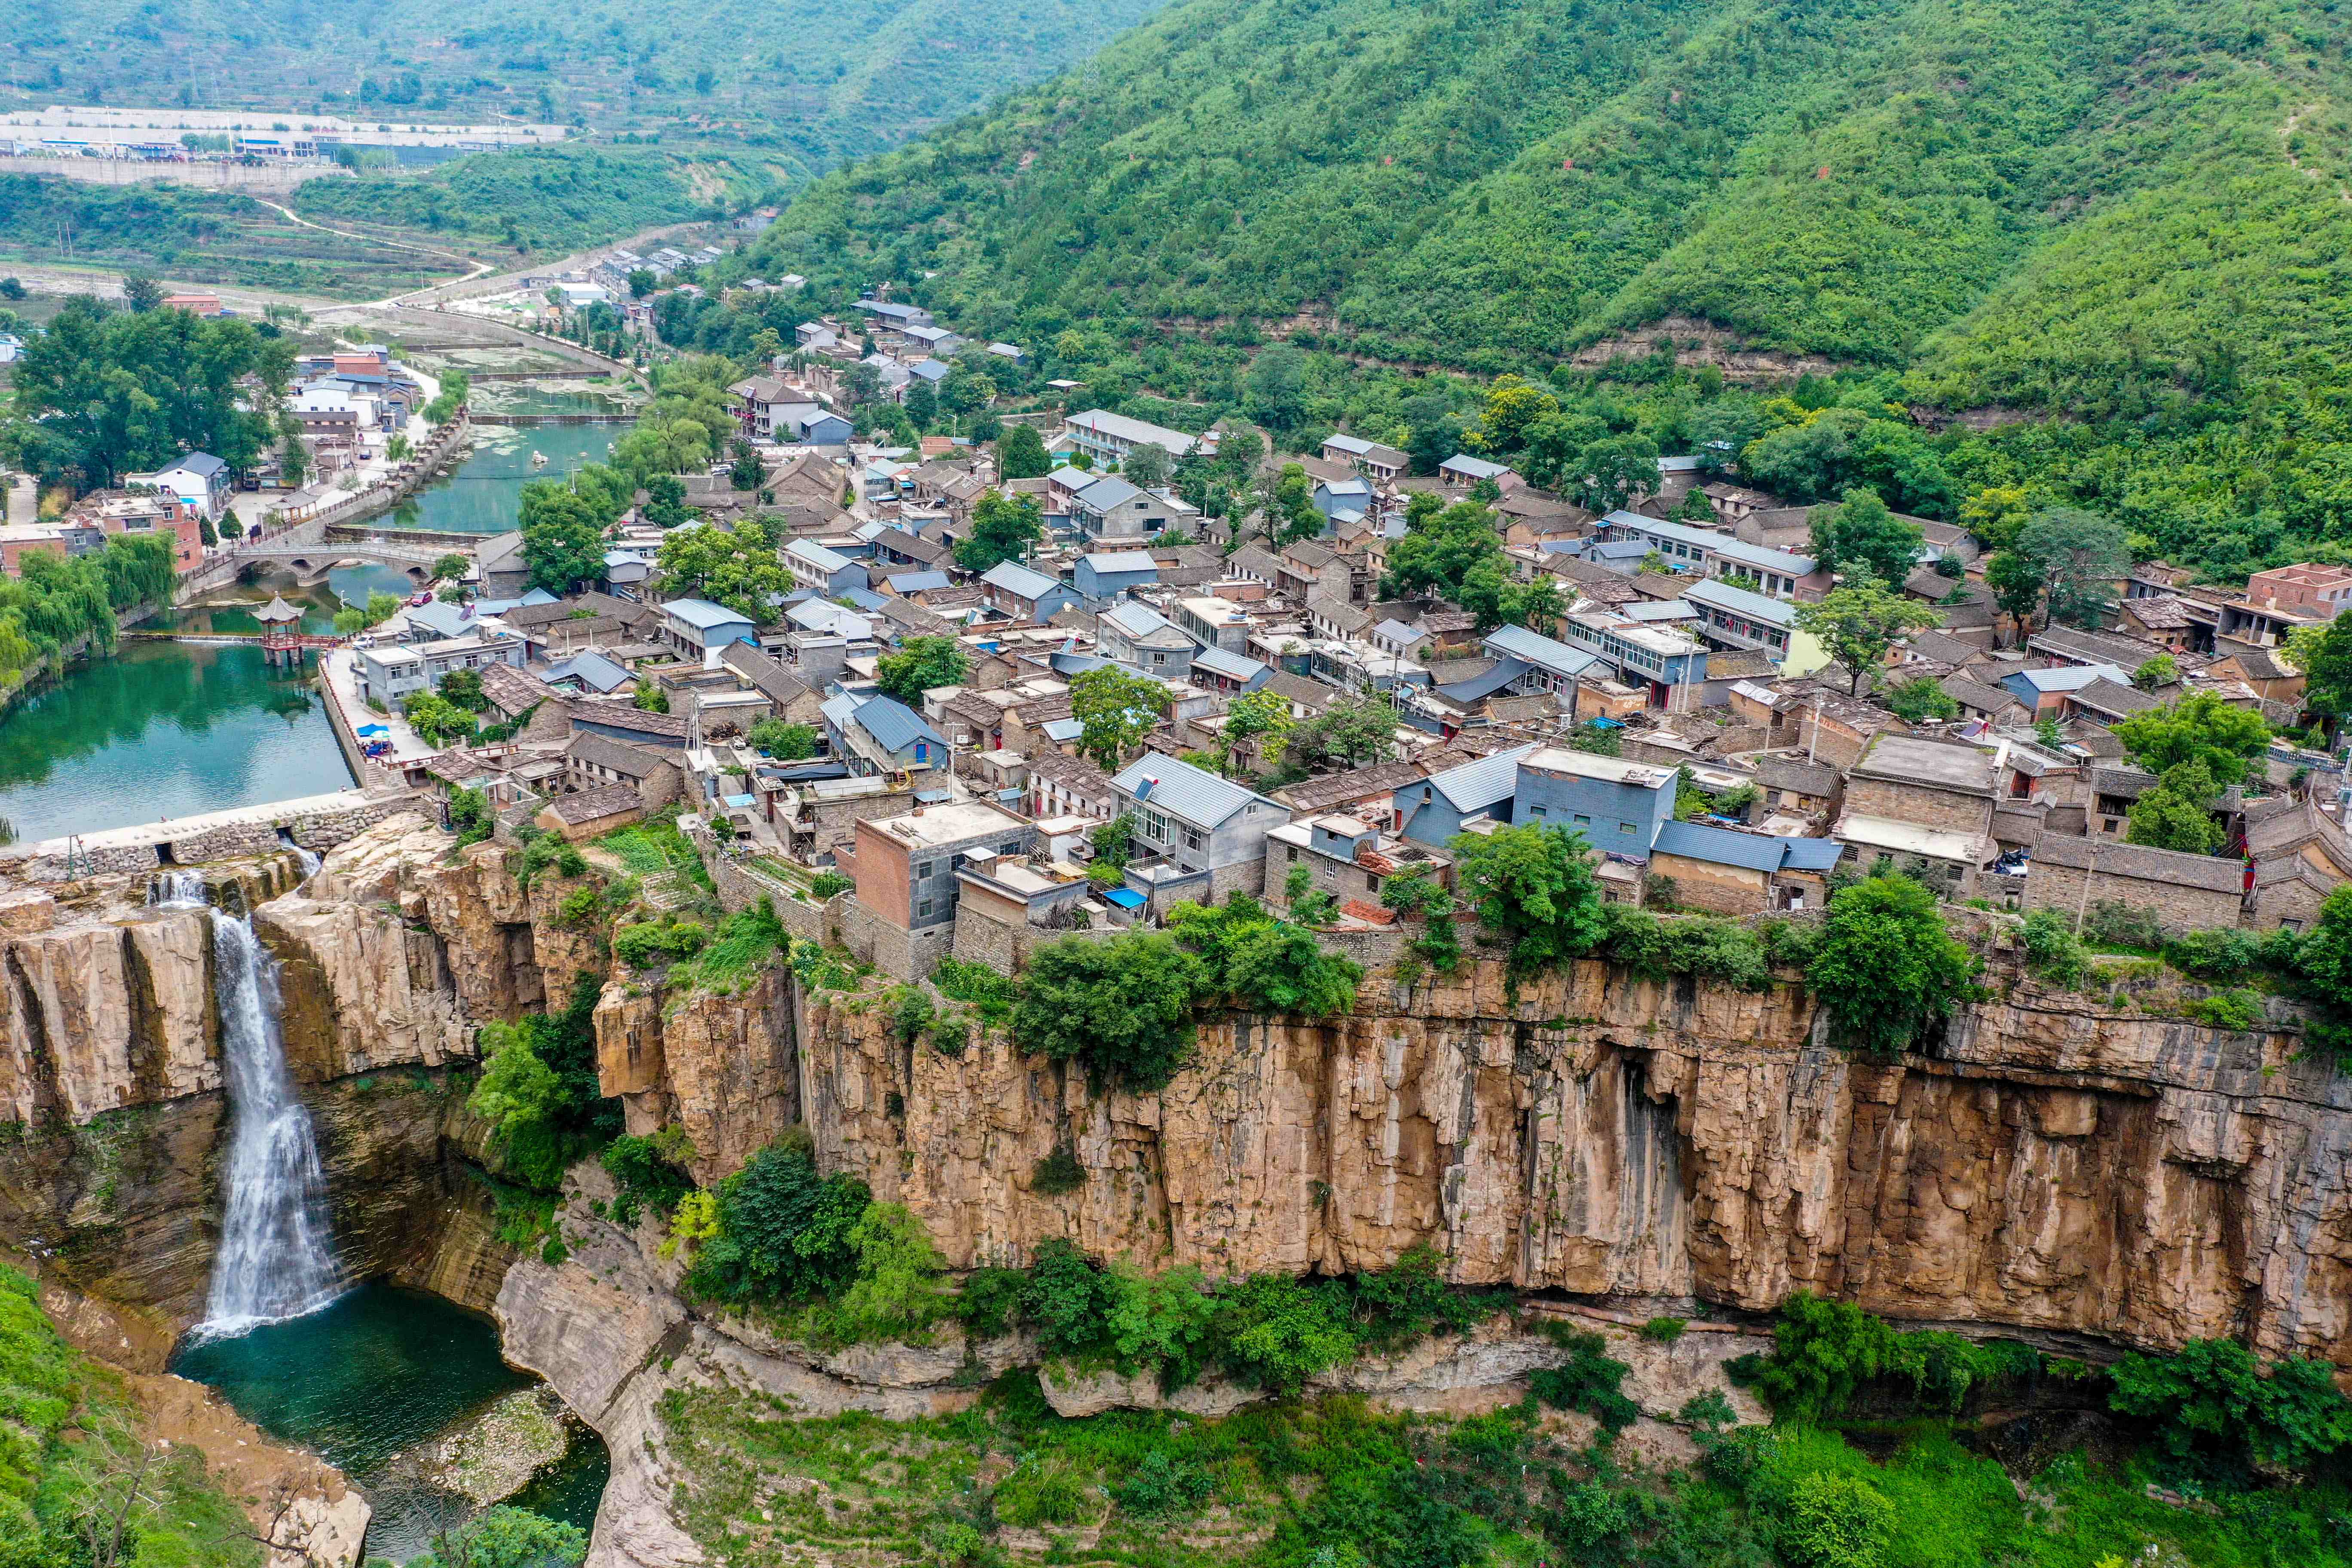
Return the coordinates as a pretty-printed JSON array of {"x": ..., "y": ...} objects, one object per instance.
[
  {"x": 231, "y": 609},
  {"x": 162, "y": 729},
  {"x": 480, "y": 496},
  {"x": 366, "y": 1381}
]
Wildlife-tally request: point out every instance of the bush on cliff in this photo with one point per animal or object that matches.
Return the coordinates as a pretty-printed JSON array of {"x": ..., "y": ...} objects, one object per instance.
[
  {"x": 539, "y": 1092},
  {"x": 1885, "y": 969},
  {"x": 2214, "y": 1410},
  {"x": 1266, "y": 964},
  {"x": 506, "y": 1537},
  {"x": 1534, "y": 887},
  {"x": 785, "y": 1232},
  {"x": 73, "y": 1466},
  {"x": 1122, "y": 1009}
]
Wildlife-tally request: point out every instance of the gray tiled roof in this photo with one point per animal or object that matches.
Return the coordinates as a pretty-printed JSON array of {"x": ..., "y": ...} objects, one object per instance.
[
  {"x": 1475, "y": 786},
  {"x": 1182, "y": 790}
]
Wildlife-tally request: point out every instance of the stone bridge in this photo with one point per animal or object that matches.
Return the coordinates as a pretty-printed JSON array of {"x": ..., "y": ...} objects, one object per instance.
[{"x": 318, "y": 555}]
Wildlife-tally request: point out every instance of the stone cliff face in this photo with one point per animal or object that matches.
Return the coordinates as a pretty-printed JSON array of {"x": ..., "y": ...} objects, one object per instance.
[{"x": 2054, "y": 1166}]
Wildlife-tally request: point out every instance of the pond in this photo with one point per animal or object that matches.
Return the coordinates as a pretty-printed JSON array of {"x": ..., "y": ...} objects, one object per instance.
[
  {"x": 162, "y": 729},
  {"x": 480, "y": 496},
  {"x": 367, "y": 1380}
]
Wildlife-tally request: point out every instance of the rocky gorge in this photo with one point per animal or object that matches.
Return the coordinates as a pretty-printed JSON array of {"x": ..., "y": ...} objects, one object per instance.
[{"x": 2090, "y": 1172}]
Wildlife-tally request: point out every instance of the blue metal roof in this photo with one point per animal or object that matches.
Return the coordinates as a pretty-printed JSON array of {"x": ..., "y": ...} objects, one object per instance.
[
  {"x": 1742, "y": 602},
  {"x": 1751, "y": 851},
  {"x": 1125, "y": 898},
  {"x": 592, "y": 669},
  {"x": 894, "y": 726},
  {"x": 1193, "y": 793},
  {"x": 916, "y": 582},
  {"x": 1475, "y": 786},
  {"x": 1517, "y": 642},
  {"x": 1019, "y": 580},
  {"x": 1479, "y": 687},
  {"x": 703, "y": 614}
]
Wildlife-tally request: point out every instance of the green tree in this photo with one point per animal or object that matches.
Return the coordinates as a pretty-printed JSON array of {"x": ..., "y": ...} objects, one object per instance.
[
  {"x": 562, "y": 536},
  {"x": 1858, "y": 622},
  {"x": 1920, "y": 700},
  {"x": 746, "y": 471},
  {"x": 464, "y": 687},
  {"x": 1886, "y": 970},
  {"x": 141, "y": 291},
  {"x": 103, "y": 393},
  {"x": 664, "y": 501},
  {"x": 1353, "y": 733},
  {"x": 1003, "y": 528},
  {"x": 2211, "y": 1404},
  {"x": 1612, "y": 473},
  {"x": 1264, "y": 713},
  {"x": 451, "y": 568},
  {"x": 503, "y": 1537},
  {"x": 786, "y": 742},
  {"x": 651, "y": 698},
  {"x": 2081, "y": 555},
  {"x": 1020, "y": 454},
  {"x": 1122, "y": 1008},
  {"x": 1534, "y": 885},
  {"x": 740, "y": 570},
  {"x": 1115, "y": 710},
  {"x": 2017, "y": 581},
  {"x": 2178, "y": 813},
  {"x": 1995, "y": 515},
  {"x": 786, "y": 1231},
  {"x": 1837, "y": 1520},
  {"x": 2199, "y": 728},
  {"x": 921, "y": 664},
  {"x": 1860, "y": 530},
  {"x": 1438, "y": 550},
  {"x": 1148, "y": 468},
  {"x": 2157, "y": 672},
  {"x": 2324, "y": 654},
  {"x": 436, "y": 721},
  {"x": 1276, "y": 395}
]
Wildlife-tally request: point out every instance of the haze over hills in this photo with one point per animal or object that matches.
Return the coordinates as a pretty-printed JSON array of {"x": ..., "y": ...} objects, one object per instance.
[
  {"x": 818, "y": 83},
  {"x": 2050, "y": 204}
]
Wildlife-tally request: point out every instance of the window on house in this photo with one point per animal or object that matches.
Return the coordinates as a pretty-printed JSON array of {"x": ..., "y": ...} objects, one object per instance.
[
  {"x": 1191, "y": 839},
  {"x": 1291, "y": 855},
  {"x": 1539, "y": 811},
  {"x": 1625, "y": 827},
  {"x": 923, "y": 910},
  {"x": 923, "y": 870},
  {"x": 1582, "y": 820}
]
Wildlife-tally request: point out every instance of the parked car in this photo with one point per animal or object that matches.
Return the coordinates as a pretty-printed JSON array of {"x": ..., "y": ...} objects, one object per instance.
[{"x": 420, "y": 599}]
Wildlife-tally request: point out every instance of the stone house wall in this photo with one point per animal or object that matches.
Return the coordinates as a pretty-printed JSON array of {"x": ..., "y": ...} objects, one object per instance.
[{"x": 1918, "y": 803}]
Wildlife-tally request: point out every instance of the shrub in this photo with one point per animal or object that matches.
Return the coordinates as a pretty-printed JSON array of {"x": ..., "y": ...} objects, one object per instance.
[
  {"x": 2212, "y": 1407},
  {"x": 649, "y": 945},
  {"x": 785, "y": 1231},
  {"x": 2221, "y": 957},
  {"x": 2226, "y": 1010},
  {"x": 1059, "y": 1172},
  {"x": 991, "y": 994},
  {"x": 1534, "y": 887},
  {"x": 1261, "y": 962},
  {"x": 1823, "y": 1351},
  {"x": 2046, "y": 938},
  {"x": 1837, "y": 1521},
  {"x": 2112, "y": 923},
  {"x": 898, "y": 1292},
  {"x": 1160, "y": 1320},
  {"x": 540, "y": 1089},
  {"x": 470, "y": 816},
  {"x": 1159, "y": 1487},
  {"x": 504, "y": 1537},
  {"x": 1066, "y": 1300},
  {"x": 580, "y": 907},
  {"x": 1278, "y": 1332},
  {"x": 1121, "y": 1008},
  {"x": 829, "y": 884},
  {"x": 643, "y": 1177},
  {"x": 1664, "y": 1330},
  {"x": 991, "y": 1300},
  {"x": 1046, "y": 1492},
  {"x": 912, "y": 1013},
  {"x": 696, "y": 1222},
  {"x": 1397, "y": 1306},
  {"x": 1588, "y": 1381}
]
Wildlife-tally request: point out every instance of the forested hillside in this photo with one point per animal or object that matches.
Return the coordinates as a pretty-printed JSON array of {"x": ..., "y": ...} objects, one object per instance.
[
  {"x": 814, "y": 83},
  {"x": 2113, "y": 237},
  {"x": 1481, "y": 181}
]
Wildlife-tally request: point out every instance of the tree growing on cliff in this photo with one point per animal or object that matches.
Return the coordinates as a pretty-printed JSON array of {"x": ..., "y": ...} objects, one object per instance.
[
  {"x": 1122, "y": 1008},
  {"x": 504, "y": 1537},
  {"x": 540, "y": 1091},
  {"x": 1534, "y": 887},
  {"x": 1885, "y": 969}
]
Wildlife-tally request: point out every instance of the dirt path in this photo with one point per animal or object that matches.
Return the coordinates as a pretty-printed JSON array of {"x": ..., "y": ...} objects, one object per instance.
[{"x": 474, "y": 268}]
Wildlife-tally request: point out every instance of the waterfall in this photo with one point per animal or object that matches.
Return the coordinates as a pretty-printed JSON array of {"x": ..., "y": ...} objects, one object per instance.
[
  {"x": 307, "y": 859},
  {"x": 277, "y": 1257}
]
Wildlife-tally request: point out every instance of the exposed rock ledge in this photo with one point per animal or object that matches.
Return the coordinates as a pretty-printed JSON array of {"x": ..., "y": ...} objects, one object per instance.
[{"x": 607, "y": 1330}]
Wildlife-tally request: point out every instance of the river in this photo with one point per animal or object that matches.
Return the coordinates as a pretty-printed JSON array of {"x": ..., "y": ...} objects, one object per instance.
[{"x": 172, "y": 730}]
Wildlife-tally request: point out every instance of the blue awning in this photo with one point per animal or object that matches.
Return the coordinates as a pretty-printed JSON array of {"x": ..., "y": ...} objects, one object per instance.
[{"x": 1125, "y": 898}]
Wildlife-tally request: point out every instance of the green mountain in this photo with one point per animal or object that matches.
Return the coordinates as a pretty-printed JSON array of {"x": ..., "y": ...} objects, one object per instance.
[
  {"x": 2075, "y": 204},
  {"x": 816, "y": 83}
]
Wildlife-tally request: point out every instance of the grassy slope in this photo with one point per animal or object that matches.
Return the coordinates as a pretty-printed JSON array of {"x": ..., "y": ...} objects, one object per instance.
[{"x": 1889, "y": 182}]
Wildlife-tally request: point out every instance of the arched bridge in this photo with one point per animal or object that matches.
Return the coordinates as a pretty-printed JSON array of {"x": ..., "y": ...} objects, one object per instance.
[{"x": 317, "y": 557}]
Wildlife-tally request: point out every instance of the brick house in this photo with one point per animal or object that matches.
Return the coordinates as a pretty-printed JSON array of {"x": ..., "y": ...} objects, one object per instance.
[
  {"x": 2187, "y": 892},
  {"x": 1925, "y": 804}
]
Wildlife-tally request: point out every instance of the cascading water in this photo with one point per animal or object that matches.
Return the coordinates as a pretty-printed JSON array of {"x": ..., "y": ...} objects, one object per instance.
[{"x": 277, "y": 1257}]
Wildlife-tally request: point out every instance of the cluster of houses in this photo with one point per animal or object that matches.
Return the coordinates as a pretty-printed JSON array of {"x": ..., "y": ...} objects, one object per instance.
[{"x": 1673, "y": 713}]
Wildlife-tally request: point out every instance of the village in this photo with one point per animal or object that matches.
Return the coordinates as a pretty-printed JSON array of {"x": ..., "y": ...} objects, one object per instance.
[{"x": 1279, "y": 729}]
